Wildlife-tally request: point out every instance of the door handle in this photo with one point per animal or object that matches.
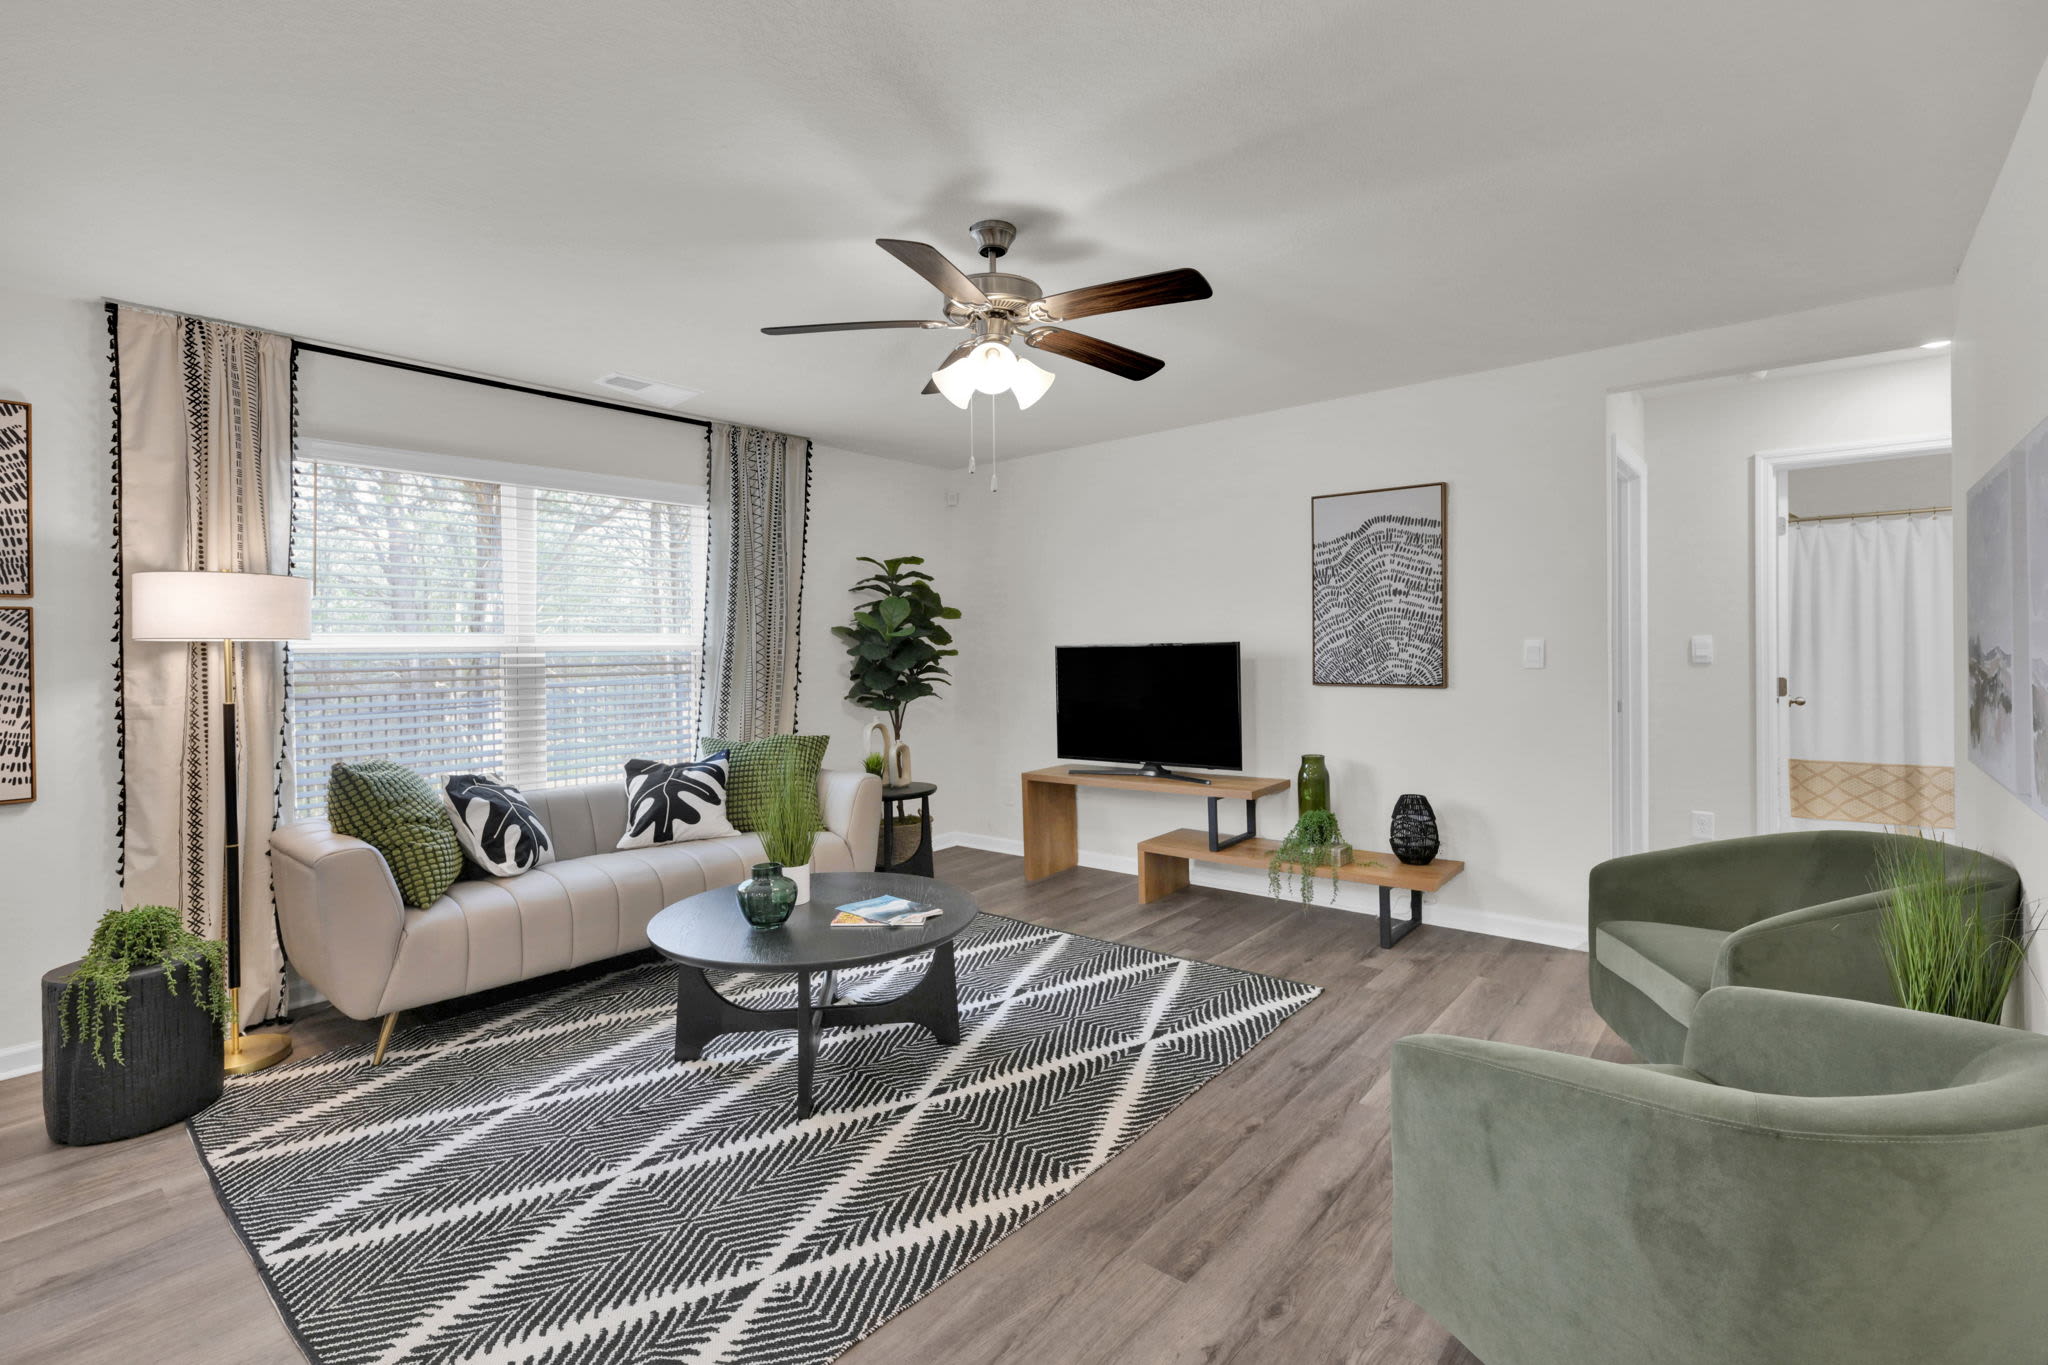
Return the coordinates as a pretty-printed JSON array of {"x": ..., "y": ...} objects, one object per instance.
[{"x": 1795, "y": 701}]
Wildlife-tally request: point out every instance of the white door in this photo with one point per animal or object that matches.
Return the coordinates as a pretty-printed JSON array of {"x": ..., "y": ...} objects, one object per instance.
[{"x": 1628, "y": 578}]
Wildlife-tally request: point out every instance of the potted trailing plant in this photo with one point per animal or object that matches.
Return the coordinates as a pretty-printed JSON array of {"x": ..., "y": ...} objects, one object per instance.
[
  {"x": 132, "y": 1032},
  {"x": 898, "y": 639},
  {"x": 1945, "y": 954},
  {"x": 1315, "y": 841},
  {"x": 788, "y": 826}
]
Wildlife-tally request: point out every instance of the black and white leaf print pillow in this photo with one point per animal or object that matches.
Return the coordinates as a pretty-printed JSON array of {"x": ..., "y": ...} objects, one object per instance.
[
  {"x": 667, "y": 803},
  {"x": 496, "y": 828}
]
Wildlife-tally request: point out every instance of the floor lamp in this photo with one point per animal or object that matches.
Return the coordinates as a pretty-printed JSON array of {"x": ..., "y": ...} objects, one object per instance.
[{"x": 224, "y": 606}]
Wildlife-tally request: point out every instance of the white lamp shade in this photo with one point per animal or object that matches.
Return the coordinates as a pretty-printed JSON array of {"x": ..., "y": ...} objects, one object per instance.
[
  {"x": 1028, "y": 382},
  {"x": 219, "y": 606},
  {"x": 956, "y": 382}
]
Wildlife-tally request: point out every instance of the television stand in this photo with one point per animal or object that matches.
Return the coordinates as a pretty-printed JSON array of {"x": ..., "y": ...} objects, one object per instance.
[
  {"x": 1142, "y": 770},
  {"x": 1051, "y": 833}
]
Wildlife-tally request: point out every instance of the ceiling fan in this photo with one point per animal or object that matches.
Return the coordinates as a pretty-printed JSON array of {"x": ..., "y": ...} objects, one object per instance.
[{"x": 997, "y": 308}]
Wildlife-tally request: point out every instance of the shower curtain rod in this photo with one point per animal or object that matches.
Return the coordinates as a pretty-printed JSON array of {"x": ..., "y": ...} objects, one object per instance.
[{"x": 1859, "y": 516}]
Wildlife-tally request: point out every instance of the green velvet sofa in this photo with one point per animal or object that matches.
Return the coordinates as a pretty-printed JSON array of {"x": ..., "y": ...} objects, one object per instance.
[
  {"x": 1822, "y": 1182},
  {"x": 1792, "y": 912}
]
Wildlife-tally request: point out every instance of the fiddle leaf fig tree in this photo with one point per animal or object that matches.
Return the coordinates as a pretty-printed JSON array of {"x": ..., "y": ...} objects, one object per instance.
[{"x": 898, "y": 638}]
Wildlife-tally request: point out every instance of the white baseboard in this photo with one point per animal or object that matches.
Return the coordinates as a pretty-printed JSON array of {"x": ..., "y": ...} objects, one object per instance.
[
  {"x": 21, "y": 1059},
  {"x": 1350, "y": 896}
]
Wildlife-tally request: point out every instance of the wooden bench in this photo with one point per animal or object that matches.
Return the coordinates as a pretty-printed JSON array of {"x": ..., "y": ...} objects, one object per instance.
[{"x": 1163, "y": 869}]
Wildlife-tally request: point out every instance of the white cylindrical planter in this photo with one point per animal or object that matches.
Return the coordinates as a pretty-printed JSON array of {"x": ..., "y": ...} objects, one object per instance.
[{"x": 802, "y": 877}]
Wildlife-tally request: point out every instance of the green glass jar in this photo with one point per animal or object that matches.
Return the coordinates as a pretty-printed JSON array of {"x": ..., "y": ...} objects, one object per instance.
[
  {"x": 767, "y": 897},
  {"x": 1312, "y": 784}
]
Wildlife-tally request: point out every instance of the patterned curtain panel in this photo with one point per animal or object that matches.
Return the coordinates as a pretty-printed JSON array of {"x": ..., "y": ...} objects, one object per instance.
[
  {"x": 202, "y": 480},
  {"x": 760, "y": 490}
]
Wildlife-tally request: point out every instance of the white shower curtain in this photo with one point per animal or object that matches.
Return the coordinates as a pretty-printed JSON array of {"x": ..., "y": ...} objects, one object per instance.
[{"x": 1872, "y": 624}]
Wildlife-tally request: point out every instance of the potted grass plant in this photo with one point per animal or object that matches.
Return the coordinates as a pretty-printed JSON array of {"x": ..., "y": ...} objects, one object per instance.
[
  {"x": 1947, "y": 953},
  {"x": 133, "y": 1030},
  {"x": 788, "y": 826}
]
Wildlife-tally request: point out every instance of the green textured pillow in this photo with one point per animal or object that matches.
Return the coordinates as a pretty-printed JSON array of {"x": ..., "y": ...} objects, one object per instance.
[
  {"x": 760, "y": 765},
  {"x": 398, "y": 813}
]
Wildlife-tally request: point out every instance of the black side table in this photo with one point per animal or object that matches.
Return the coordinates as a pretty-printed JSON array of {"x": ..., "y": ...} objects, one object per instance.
[{"x": 894, "y": 799}]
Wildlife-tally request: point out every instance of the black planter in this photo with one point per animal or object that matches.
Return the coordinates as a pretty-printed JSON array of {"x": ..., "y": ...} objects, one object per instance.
[
  {"x": 1413, "y": 835},
  {"x": 172, "y": 1071}
]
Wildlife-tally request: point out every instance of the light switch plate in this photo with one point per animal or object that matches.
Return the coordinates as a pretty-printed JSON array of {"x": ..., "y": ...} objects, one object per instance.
[
  {"x": 1702, "y": 649},
  {"x": 1533, "y": 653}
]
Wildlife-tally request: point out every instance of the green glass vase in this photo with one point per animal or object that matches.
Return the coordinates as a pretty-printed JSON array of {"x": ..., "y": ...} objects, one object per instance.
[
  {"x": 767, "y": 897},
  {"x": 1312, "y": 784}
]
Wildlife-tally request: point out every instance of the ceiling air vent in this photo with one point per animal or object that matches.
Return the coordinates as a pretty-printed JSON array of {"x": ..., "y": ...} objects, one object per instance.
[{"x": 648, "y": 390}]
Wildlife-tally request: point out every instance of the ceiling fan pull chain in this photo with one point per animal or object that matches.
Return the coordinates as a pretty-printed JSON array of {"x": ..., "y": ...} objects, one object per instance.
[
  {"x": 992, "y": 443},
  {"x": 970, "y": 436}
]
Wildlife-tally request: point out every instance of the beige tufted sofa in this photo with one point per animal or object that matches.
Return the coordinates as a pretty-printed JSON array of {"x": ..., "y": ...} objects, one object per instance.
[{"x": 350, "y": 935}]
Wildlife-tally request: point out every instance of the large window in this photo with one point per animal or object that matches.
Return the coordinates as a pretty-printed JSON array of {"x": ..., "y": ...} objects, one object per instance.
[{"x": 470, "y": 624}]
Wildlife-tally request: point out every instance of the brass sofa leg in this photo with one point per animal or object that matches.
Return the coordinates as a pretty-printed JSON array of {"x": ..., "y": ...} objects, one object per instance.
[{"x": 384, "y": 1038}]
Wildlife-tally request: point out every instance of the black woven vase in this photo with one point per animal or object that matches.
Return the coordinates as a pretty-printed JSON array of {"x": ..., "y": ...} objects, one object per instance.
[{"x": 1413, "y": 835}]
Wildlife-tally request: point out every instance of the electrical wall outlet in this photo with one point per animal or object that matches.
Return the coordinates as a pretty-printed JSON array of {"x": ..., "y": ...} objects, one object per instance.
[
  {"x": 1533, "y": 653},
  {"x": 1703, "y": 824}
]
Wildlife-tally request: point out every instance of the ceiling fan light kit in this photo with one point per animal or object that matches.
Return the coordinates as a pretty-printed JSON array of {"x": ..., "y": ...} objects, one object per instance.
[{"x": 996, "y": 307}]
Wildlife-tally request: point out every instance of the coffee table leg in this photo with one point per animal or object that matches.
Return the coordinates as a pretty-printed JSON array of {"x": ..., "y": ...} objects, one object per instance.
[
  {"x": 700, "y": 1013},
  {"x": 943, "y": 1018},
  {"x": 806, "y": 1045}
]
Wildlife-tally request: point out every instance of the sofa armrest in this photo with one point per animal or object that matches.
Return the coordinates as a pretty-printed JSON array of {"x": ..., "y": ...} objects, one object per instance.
[
  {"x": 1828, "y": 949},
  {"x": 1789, "y": 1043},
  {"x": 1720, "y": 885},
  {"x": 339, "y": 912},
  {"x": 852, "y": 806}
]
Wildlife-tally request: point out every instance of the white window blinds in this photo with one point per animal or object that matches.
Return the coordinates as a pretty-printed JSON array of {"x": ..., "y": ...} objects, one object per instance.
[{"x": 468, "y": 625}]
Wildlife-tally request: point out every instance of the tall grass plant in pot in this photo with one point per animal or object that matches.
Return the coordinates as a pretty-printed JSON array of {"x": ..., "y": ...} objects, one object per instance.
[
  {"x": 1947, "y": 951},
  {"x": 788, "y": 830}
]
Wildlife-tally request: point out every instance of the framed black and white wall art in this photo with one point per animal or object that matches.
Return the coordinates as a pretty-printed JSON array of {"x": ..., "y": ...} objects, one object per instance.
[
  {"x": 16, "y": 556},
  {"x": 17, "y": 706},
  {"x": 1377, "y": 577}
]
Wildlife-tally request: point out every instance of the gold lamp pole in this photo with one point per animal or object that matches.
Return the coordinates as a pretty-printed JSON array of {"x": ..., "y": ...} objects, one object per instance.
[{"x": 227, "y": 606}]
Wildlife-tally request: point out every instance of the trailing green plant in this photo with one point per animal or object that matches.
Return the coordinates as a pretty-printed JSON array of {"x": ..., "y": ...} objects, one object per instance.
[
  {"x": 875, "y": 764},
  {"x": 95, "y": 1002},
  {"x": 897, "y": 638},
  {"x": 1947, "y": 952},
  {"x": 1315, "y": 841},
  {"x": 788, "y": 822}
]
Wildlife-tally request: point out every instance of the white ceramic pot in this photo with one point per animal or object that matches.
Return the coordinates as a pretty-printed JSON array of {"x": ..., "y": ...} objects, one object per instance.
[{"x": 802, "y": 877}]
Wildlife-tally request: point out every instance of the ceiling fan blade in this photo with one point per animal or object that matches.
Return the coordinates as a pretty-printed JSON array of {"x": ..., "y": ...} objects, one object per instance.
[
  {"x": 957, "y": 353},
  {"x": 941, "y": 273},
  {"x": 848, "y": 327},
  {"x": 1103, "y": 355},
  {"x": 1142, "y": 291}
]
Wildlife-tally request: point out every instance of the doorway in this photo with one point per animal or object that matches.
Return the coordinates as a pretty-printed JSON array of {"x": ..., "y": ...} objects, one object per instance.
[
  {"x": 1628, "y": 575},
  {"x": 1854, "y": 639}
]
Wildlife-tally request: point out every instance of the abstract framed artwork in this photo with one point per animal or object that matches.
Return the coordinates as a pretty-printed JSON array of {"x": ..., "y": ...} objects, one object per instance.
[
  {"x": 2006, "y": 601},
  {"x": 17, "y": 557},
  {"x": 17, "y": 705},
  {"x": 1377, "y": 580}
]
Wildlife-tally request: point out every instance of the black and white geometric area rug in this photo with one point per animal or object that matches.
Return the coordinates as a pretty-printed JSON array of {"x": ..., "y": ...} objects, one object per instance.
[{"x": 542, "y": 1181}]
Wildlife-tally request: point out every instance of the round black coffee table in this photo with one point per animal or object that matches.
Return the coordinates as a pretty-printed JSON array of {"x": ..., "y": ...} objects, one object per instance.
[{"x": 708, "y": 931}]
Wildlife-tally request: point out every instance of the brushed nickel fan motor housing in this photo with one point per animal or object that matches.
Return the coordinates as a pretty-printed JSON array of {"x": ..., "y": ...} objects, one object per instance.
[{"x": 993, "y": 236}]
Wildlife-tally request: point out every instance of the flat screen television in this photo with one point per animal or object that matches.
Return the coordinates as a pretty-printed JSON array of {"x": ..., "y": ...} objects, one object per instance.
[{"x": 1151, "y": 705}]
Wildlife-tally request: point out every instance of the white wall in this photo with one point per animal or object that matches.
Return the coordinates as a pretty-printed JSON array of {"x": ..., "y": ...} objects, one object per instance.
[
  {"x": 1701, "y": 438},
  {"x": 1201, "y": 534},
  {"x": 2001, "y": 358},
  {"x": 1870, "y": 486},
  {"x": 59, "y": 849}
]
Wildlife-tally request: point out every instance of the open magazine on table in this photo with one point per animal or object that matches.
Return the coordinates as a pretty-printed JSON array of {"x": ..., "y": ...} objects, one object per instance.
[{"x": 884, "y": 912}]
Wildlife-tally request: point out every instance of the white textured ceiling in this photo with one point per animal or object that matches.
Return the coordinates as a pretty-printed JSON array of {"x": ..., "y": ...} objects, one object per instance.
[{"x": 1379, "y": 192}]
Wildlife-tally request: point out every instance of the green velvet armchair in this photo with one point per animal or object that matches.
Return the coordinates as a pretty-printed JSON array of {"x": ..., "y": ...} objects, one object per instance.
[
  {"x": 1822, "y": 1182},
  {"x": 1791, "y": 912}
]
